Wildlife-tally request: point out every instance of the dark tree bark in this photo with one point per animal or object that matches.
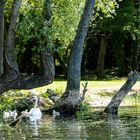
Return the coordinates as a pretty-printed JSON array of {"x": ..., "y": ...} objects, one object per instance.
[
  {"x": 101, "y": 57},
  {"x": 2, "y": 3},
  {"x": 11, "y": 71},
  {"x": 47, "y": 61},
  {"x": 71, "y": 99},
  {"x": 112, "y": 107},
  {"x": 11, "y": 78},
  {"x": 48, "y": 68},
  {"x": 136, "y": 48}
]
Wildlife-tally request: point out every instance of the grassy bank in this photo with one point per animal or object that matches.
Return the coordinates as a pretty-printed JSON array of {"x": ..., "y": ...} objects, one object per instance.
[
  {"x": 99, "y": 92},
  {"x": 59, "y": 86}
]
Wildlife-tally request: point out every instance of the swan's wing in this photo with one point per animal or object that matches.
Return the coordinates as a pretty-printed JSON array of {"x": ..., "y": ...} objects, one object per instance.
[
  {"x": 35, "y": 112},
  {"x": 31, "y": 111}
]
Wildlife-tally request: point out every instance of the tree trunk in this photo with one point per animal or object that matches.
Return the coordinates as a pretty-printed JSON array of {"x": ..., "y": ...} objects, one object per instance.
[
  {"x": 11, "y": 78},
  {"x": 101, "y": 57},
  {"x": 112, "y": 107},
  {"x": 71, "y": 99},
  {"x": 48, "y": 68},
  {"x": 11, "y": 71},
  {"x": 2, "y": 3},
  {"x": 136, "y": 48},
  {"x": 47, "y": 61}
]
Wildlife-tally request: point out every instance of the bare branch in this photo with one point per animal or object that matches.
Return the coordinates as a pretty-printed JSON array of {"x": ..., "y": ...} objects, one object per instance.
[{"x": 84, "y": 91}]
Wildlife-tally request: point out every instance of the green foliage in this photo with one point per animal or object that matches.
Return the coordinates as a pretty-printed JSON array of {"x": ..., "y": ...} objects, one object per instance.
[
  {"x": 6, "y": 103},
  {"x": 8, "y": 99},
  {"x": 64, "y": 21},
  {"x": 66, "y": 16},
  {"x": 106, "y": 8},
  {"x": 35, "y": 31}
]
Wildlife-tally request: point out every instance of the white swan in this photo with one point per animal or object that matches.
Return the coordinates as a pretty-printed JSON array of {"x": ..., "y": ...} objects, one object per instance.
[
  {"x": 55, "y": 113},
  {"x": 35, "y": 113},
  {"x": 10, "y": 114}
]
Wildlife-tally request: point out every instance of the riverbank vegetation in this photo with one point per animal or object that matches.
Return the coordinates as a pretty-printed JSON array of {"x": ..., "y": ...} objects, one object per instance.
[{"x": 83, "y": 39}]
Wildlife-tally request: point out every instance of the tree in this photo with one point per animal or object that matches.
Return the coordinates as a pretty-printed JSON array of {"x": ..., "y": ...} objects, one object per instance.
[
  {"x": 112, "y": 107},
  {"x": 47, "y": 60},
  {"x": 123, "y": 33},
  {"x": 101, "y": 57},
  {"x": 71, "y": 99},
  {"x": 136, "y": 52},
  {"x": 10, "y": 72},
  {"x": 11, "y": 77},
  {"x": 2, "y": 4}
]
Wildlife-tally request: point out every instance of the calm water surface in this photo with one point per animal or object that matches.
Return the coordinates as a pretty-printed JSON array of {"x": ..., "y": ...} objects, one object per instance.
[{"x": 87, "y": 126}]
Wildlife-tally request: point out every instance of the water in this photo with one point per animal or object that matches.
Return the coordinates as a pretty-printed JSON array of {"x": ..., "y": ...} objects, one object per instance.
[{"x": 88, "y": 126}]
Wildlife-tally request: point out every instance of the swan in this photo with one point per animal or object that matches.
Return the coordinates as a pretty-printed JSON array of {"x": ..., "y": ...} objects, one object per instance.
[
  {"x": 10, "y": 114},
  {"x": 55, "y": 113},
  {"x": 35, "y": 112}
]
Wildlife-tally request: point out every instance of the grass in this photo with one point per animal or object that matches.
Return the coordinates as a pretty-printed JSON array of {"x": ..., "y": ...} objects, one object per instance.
[
  {"x": 102, "y": 88},
  {"x": 59, "y": 86}
]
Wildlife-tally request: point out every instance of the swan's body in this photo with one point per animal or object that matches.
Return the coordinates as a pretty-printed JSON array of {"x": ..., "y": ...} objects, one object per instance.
[
  {"x": 35, "y": 111},
  {"x": 55, "y": 113},
  {"x": 10, "y": 114},
  {"x": 6, "y": 115}
]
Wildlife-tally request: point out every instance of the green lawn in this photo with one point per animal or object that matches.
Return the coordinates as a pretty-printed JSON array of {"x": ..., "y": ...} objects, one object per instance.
[{"x": 59, "y": 86}]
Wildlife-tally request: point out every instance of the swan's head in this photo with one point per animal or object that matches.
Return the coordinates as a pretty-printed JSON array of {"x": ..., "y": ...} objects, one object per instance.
[{"x": 34, "y": 99}]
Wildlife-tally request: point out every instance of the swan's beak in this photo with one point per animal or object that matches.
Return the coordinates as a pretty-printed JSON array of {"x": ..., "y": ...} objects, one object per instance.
[{"x": 32, "y": 99}]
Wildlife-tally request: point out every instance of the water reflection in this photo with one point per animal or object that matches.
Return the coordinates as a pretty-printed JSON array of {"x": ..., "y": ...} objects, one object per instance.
[
  {"x": 119, "y": 129},
  {"x": 124, "y": 127}
]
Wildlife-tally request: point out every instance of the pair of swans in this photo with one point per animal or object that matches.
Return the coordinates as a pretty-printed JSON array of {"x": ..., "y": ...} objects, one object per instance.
[{"x": 34, "y": 114}]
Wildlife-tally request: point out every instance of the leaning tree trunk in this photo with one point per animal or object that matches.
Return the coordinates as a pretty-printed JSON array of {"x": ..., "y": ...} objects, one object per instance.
[
  {"x": 101, "y": 57},
  {"x": 11, "y": 78},
  {"x": 71, "y": 99},
  {"x": 112, "y": 107},
  {"x": 2, "y": 3},
  {"x": 10, "y": 65},
  {"x": 11, "y": 71}
]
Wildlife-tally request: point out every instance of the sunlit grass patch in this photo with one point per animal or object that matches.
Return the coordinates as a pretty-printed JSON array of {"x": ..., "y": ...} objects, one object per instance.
[
  {"x": 105, "y": 88},
  {"x": 60, "y": 86}
]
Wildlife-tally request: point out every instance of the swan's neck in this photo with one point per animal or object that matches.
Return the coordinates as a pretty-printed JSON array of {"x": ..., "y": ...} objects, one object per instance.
[{"x": 36, "y": 102}]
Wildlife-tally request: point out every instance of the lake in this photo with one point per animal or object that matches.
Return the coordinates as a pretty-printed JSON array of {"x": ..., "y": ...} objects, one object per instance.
[{"x": 87, "y": 126}]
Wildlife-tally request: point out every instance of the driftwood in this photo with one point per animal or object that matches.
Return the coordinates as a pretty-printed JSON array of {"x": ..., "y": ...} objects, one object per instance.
[
  {"x": 26, "y": 103},
  {"x": 112, "y": 107}
]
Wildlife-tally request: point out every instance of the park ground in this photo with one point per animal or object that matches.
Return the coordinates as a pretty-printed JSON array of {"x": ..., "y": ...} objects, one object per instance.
[{"x": 99, "y": 92}]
